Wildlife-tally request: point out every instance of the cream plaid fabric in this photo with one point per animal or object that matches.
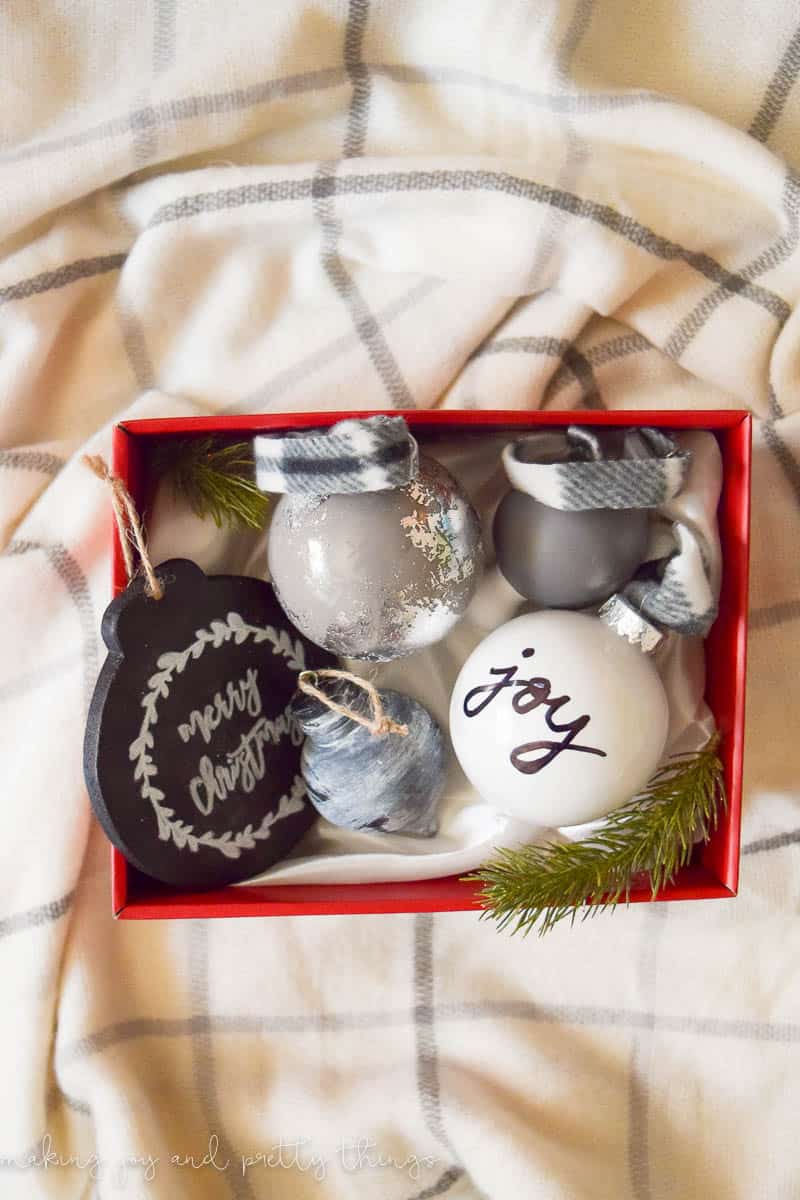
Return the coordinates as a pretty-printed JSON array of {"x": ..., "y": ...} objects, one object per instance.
[{"x": 210, "y": 207}]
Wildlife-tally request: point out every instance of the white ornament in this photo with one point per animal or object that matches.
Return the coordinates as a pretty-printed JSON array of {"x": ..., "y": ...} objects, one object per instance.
[{"x": 557, "y": 720}]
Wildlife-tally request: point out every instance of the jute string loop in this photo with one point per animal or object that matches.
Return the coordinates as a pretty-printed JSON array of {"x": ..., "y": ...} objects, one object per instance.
[
  {"x": 379, "y": 723},
  {"x": 128, "y": 524}
]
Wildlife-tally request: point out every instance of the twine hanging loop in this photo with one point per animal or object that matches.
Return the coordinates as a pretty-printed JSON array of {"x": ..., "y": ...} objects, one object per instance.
[
  {"x": 128, "y": 524},
  {"x": 378, "y": 724}
]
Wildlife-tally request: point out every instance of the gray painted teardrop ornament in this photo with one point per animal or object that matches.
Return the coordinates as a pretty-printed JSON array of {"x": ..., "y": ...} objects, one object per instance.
[{"x": 359, "y": 779}]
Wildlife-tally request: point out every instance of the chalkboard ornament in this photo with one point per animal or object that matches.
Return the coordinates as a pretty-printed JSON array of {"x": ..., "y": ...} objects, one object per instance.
[{"x": 191, "y": 755}]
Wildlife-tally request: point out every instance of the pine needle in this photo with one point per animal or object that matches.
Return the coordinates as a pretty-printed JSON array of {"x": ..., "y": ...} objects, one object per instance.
[
  {"x": 654, "y": 835},
  {"x": 216, "y": 481}
]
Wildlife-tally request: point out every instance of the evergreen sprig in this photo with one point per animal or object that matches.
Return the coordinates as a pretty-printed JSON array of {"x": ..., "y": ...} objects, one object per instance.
[
  {"x": 216, "y": 480},
  {"x": 654, "y": 834}
]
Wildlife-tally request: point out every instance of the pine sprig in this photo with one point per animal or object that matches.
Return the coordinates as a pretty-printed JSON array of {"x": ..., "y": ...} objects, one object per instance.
[
  {"x": 654, "y": 834},
  {"x": 215, "y": 480}
]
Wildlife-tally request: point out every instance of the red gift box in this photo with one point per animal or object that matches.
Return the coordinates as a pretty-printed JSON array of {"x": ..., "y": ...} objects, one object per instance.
[{"x": 714, "y": 869}]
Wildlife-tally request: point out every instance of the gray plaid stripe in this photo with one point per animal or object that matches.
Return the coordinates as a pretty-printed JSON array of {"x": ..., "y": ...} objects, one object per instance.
[
  {"x": 135, "y": 344},
  {"x": 32, "y": 918},
  {"x": 777, "y": 92},
  {"x": 48, "y": 281},
  {"x": 688, "y": 328},
  {"x": 275, "y": 387},
  {"x": 577, "y": 153},
  {"x": 598, "y": 356},
  {"x": 164, "y": 35},
  {"x": 580, "y": 103},
  {"x": 355, "y": 456},
  {"x": 367, "y": 327},
  {"x": 642, "y": 1058},
  {"x": 774, "y": 614},
  {"x": 203, "y": 1023},
  {"x": 105, "y": 129},
  {"x": 775, "y": 408},
  {"x": 602, "y": 214},
  {"x": 144, "y": 128},
  {"x": 581, "y": 18},
  {"x": 278, "y": 191},
  {"x": 784, "y": 456},
  {"x": 427, "y": 1055},
  {"x": 442, "y": 1184},
  {"x": 577, "y": 150},
  {"x": 776, "y": 842},
  {"x": 573, "y": 362},
  {"x": 323, "y": 191},
  {"x": 77, "y": 585},
  {"x": 668, "y": 603},
  {"x": 612, "y": 483},
  {"x": 554, "y": 347},
  {"x": 78, "y": 1106},
  {"x": 618, "y": 347},
  {"x": 428, "y": 1085},
  {"x": 203, "y": 1063},
  {"x": 776, "y": 1033},
  {"x": 359, "y": 76},
  {"x": 327, "y": 186},
  {"x": 31, "y": 460},
  {"x": 188, "y": 108},
  {"x": 777, "y": 446},
  {"x": 131, "y": 329}
]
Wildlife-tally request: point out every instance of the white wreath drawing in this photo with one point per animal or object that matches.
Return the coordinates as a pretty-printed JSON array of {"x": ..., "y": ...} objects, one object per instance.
[{"x": 173, "y": 663}]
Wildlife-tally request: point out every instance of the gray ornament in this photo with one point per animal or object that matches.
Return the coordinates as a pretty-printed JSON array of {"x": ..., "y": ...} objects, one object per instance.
[
  {"x": 377, "y": 575},
  {"x": 567, "y": 559},
  {"x": 358, "y": 779}
]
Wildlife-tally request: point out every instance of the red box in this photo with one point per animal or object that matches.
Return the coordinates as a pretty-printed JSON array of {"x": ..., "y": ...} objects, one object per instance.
[{"x": 714, "y": 869}]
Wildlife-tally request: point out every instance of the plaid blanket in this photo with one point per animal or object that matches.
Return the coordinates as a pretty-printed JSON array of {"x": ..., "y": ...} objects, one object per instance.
[{"x": 211, "y": 207}]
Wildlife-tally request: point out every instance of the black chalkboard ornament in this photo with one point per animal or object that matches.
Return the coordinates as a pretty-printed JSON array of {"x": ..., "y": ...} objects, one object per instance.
[{"x": 191, "y": 755}]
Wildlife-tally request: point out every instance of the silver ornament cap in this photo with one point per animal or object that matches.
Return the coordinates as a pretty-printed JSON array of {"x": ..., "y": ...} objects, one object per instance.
[{"x": 620, "y": 615}]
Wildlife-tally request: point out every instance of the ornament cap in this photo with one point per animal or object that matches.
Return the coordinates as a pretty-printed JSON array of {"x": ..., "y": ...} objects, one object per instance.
[{"x": 620, "y": 615}]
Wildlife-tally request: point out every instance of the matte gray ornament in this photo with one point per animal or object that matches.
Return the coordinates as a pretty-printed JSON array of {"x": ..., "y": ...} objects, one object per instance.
[
  {"x": 358, "y": 779},
  {"x": 381, "y": 574},
  {"x": 567, "y": 559}
]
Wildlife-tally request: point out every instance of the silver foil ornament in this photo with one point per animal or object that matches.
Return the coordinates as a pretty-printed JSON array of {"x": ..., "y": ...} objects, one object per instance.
[
  {"x": 377, "y": 575},
  {"x": 376, "y": 760}
]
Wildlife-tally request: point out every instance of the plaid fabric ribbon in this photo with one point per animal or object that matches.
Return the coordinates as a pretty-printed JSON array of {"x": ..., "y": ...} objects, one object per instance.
[
  {"x": 650, "y": 471},
  {"x": 674, "y": 589},
  {"x": 357, "y": 455}
]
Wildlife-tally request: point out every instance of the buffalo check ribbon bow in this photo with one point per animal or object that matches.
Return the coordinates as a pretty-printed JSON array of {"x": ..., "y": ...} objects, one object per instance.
[
  {"x": 370, "y": 454},
  {"x": 630, "y": 468}
]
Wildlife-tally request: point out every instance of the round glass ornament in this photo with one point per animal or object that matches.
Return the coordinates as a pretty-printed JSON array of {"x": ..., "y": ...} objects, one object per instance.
[
  {"x": 557, "y": 720},
  {"x": 565, "y": 559},
  {"x": 377, "y": 575}
]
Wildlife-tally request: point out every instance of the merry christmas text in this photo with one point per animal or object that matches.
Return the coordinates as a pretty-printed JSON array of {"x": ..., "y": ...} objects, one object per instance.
[{"x": 245, "y": 765}]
